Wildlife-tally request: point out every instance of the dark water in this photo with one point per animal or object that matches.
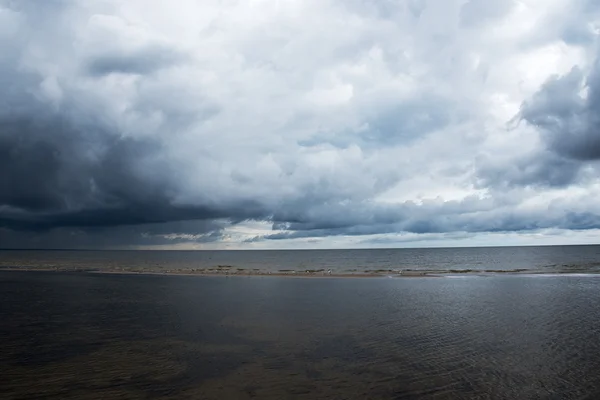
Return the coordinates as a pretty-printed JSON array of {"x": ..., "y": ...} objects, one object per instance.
[
  {"x": 542, "y": 258},
  {"x": 77, "y": 336}
]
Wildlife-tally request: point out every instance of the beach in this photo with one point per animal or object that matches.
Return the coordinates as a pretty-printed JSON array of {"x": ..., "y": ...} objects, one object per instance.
[{"x": 240, "y": 272}]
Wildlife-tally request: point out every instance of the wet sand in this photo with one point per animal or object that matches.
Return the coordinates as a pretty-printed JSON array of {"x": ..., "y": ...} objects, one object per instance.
[
  {"x": 230, "y": 271},
  {"x": 209, "y": 273}
]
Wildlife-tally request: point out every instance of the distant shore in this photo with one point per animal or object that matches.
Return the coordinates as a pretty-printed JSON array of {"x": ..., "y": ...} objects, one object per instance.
[
  {"x": 229, "y": 271},
  {"x": 215, "y": 272}
]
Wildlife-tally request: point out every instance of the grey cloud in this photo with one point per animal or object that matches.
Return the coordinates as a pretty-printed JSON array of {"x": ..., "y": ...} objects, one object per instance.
[
  {"x": 172, "y": 104},
  {"x": 33, "y": 7},
  {"x": 403, "y": 238},
  {"x": 475, "y": 12},
  {"x": 67, "y": 166},
  {"x": 540, "y": 169},
  {"x": 170, "y": 233},
  {"x": 576, "y": 33},
  {"x": 142, "y": 61},
  {"x": 370, "y": 218},
  {"x": 416, "y": 7},
  {"x": 575, "y": 30},
  {"x": 388, "y": 9},
  {"x": 569, "y": 122},
  {"x": 72, "y": 171},
  {"x": 55, "y": 166},
  {"x": 63, "y": 177},
  {"x": 400, "y": 123},
  {"x": 575, "y": 24},
  {"x": 440, "y": 222},
  {"x": 408, "y": 120},
  {"x": 569, "y": 125},
  {"x": 65, "y": 173}
]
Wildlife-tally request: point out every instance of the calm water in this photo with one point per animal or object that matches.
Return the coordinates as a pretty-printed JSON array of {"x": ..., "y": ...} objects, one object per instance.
[
  {"x": 546, "y": 258},
  {"x": 77, "y": 336}
]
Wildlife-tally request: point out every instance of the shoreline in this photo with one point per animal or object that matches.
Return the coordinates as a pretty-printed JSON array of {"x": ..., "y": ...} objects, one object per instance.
[
  {"x": 308, "y": 273},
  {"x": 299, "y": 274}
]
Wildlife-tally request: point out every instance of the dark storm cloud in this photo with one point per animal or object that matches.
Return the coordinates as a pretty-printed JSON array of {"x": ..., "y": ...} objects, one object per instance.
[
  {"x": 67, "y": 187},
  {"x": 59, "y": 172},
  {"x": 69, "y": 173},
  {"x": 63, "y": 175},
  {"x": 55, "y": 166},
  {"x": 170, "y": 233},
  {"x": 570, "y": 122},
  {"x": 566, "y": 111}
]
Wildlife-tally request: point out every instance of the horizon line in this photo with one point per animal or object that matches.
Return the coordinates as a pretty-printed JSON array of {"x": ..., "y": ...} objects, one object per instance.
[{"x": 307, "y": 249}]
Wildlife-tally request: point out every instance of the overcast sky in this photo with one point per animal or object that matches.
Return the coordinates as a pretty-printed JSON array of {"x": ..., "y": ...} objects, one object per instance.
[{"x": 299, "y": 123}]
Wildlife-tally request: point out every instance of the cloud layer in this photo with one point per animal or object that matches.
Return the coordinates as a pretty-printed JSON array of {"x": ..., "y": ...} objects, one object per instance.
[{"x": 267, "y": 124}]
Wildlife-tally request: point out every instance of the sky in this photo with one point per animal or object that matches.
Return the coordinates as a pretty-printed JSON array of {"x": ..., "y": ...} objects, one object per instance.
[{"x": 267, "y": 124}]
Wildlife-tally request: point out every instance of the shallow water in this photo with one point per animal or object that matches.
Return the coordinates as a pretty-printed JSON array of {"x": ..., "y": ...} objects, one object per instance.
[
  {"x": 68, "y": 335},
  {"x": 538, "y": 259}
]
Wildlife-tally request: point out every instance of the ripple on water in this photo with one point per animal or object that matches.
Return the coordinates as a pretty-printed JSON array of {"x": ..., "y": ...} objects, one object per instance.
[{"x": 84, "y": 336}]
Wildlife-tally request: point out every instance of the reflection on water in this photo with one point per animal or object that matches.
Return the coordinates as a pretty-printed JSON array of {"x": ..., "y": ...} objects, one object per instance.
[{"x": 107, "y": 336}]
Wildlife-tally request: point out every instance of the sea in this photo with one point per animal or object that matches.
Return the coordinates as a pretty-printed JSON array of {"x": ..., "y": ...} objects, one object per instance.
[
  {"x": 539, "y": 259},
  {"x": 78, "y": 335}
]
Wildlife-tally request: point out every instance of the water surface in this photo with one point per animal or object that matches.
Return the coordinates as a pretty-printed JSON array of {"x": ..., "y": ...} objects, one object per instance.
[
  {"x": 547, "y": 259},
  {"x": 69, "y": 335}
]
